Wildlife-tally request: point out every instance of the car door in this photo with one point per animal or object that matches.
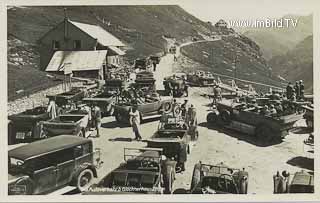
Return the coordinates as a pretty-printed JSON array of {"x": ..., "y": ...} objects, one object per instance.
[{"x": 65, "y": 166}]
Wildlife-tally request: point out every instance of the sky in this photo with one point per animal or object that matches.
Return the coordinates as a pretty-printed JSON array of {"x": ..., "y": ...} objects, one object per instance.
[{"x": 213, "y": 10}]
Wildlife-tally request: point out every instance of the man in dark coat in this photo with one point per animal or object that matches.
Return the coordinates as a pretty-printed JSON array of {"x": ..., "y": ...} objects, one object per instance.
[
  {"x": 301, "y": 89},
  {"x": 289, "y": 90}
]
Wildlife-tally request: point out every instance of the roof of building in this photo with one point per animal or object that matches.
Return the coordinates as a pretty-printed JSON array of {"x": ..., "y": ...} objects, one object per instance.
[
  {"x": 77, "y": 60},
  {"x": 46, "y": 146},
  {"x": 97, "y": 32},
  {"x": 117, "y": 50}
]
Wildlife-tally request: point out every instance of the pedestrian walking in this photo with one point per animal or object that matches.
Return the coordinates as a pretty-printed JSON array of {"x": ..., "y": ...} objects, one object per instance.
[
  {"x": 217, "y": 93},
  {"x": 192, "y": 116},
  {"x": 97, "y": 118},
  {"x": 186, "y": 88},
  {"x": 154, "y": 66},
  {"x": 175, "y": 58},
  {"x": 135, "y": 122}
]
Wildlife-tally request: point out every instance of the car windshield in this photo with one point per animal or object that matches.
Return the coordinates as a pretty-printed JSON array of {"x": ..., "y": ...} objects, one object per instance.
[
  {"x": 219, "y": 184},
  {"x": 168, "y": 134}
]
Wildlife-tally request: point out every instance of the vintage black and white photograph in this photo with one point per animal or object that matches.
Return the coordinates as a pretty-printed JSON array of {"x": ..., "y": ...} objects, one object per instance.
[{"x": 163, "y": 99}]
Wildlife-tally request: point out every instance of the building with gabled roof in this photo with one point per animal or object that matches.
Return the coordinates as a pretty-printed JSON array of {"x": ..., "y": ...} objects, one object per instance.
[{"x": 69, "y": 39}]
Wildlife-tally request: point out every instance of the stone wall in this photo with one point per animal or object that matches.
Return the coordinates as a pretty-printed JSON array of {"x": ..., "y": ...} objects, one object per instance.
[{"x": 36, "y": 99}]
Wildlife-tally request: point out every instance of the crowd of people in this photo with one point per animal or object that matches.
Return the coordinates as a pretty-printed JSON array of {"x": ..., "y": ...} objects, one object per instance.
[{"x": 295, "y": 92}]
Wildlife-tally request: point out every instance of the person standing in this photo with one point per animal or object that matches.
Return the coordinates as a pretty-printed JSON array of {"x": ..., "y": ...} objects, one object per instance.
[
  {"x": 184, "y": 108},
  {"x": 52, "y": 108},
  {"x": 135, "y": 122},
  {"x": 97, "y": 118},
  {"x": 301, "y": 90},
  {"x": 154, "y": 66},
  {"x": 297, "y": 90},
  {"x": 186, "y": 87},
  {"x": 289, "y": 91},
  {"x": 217, "y": 93}
]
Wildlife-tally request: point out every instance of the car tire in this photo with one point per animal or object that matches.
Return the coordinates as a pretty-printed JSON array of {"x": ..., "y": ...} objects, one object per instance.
[
  {"x": 225, "y": 117},
  {"x": 84, "y": 179},
  {"x": 195, "y": 176},
  {"x": 167, "y": 107}
]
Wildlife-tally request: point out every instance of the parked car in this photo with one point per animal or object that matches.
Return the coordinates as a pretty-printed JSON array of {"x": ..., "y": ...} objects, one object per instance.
[
  {"x": 145, "y": 81},
  {"x": 74, "y": 95},
  {"x": 175, "y": 137},
  {"x": 27, "y": 126},
  {"x": 143, "y": 171},
  {"x": 218, "y": 179},
  {"x": 177, "y": 83},
  {"x": 201, "y": 79},
  {"x": 154, "y": 107},
  {"x": 302, "y": 182},
  {"x": 267, "y": 129},
  {"x": 104, "y": 101},
  {"x": 73, "y": 123},
  {"x": 44, "y": 166}
]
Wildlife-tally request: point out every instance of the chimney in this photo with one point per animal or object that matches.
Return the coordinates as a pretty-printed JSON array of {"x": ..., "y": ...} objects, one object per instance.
[{"x": 65, "y": 24}]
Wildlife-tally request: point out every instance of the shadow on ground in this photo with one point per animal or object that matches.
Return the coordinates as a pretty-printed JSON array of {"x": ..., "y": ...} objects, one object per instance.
[
  {"x": 240, "y": 136},
  {"x": 302, "y": 162},
  {"x": 122, "y": 139},
  {"x": 114, "y": 124}
]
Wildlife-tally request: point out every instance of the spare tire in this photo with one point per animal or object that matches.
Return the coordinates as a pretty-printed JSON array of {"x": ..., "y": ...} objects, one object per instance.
[{"x": 167, "y": 107}]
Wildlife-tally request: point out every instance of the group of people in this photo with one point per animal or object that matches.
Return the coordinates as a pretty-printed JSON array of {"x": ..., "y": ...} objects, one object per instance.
[{"x": 295, "y": 92}]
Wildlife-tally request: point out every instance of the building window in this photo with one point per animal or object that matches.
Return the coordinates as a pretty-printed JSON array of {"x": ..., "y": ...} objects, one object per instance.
[
  {"x": 77, "y": 44},
  {"x": 55, "y": 45}
]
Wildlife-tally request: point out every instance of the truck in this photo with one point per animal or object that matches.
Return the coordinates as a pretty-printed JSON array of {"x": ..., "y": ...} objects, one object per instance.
[
  {"x": 175, "y": 137},
  {"x": 74, "y": 95},
  {"x": 177, "y": 83},
  {"x": 236, "y": 116},
  {"x": 72, "y": 123},
  {"x": 143, "y": 172},
  {"x": 27, "y": 126},
  {"x": 218, "y": 179},
  {"x": 201, "y": 79},
  {"x": 302, "y": 182},
  {"x": 145, "y": 81}
]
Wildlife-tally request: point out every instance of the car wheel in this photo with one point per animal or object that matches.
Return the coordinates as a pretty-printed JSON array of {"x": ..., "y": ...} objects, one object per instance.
[
  {"x": 167, "y": 106},
  {"x": 195, "y": 176},
  {"x": 84, "y": 179}
]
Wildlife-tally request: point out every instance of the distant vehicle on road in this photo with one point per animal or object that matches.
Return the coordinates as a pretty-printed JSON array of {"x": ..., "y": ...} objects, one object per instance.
[
  {"x": 177, "y": 83},
  {"x": 267, "y": 129},
  {"x": 44, "y": 166},
  {"x": 143, "y": 171},
  {"x": 174, "y": 136},
  {"x": 27, "y": 126},
  {"x": 151, "y": 108},
  {"x": 155, "y": 59},
  {"x": 201, "y": 79},
  {"x": 302, "y": 182},
  {"x": 72, "y": 123},
  {"x": 218, "y": 179}
]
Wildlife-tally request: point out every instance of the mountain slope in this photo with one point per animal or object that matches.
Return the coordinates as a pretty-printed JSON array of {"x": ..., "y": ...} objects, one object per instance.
[
  {"x": 140, "y": 27},
  {"x": 297, "y": 64},
  {"x": 277, "y": 41}
]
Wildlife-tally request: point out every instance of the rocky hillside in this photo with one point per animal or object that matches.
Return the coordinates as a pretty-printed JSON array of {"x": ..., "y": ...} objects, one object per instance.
[
  {"x": 277, "y": 41},
  {"x": 220, "y": 56},
  {"x": 140, "y": 27},
  {"x": 297, "y": 64}
]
